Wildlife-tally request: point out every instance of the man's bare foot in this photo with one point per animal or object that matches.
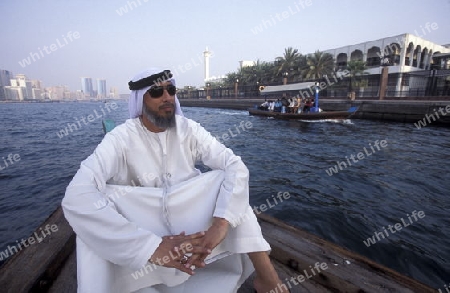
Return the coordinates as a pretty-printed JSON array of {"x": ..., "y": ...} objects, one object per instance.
[{"x": 265, "y": 286}]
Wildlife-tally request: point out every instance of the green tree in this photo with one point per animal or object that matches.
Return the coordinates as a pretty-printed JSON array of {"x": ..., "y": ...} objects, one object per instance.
[
  {"x": 318, "y": 64},
  {"x": 289, "y": 63},
  {"x": 231, "y": 78},
  {"x": 355, "y": 69},
  {"x": 260, "y": 73}
]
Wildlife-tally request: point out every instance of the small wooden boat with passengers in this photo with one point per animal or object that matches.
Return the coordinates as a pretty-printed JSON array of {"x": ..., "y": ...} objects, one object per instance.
[
  {"x": 305, "y": 116},
  {"x": 298, "y": 90}
]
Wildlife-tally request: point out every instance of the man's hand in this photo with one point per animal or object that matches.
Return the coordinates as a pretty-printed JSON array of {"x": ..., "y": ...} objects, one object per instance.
[
  {"x": 215, "y": 234},
  {"x": 171, "y": 250}
]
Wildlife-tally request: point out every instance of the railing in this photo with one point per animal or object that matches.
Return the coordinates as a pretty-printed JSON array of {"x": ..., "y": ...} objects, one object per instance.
[{"x": 426, "y": 83}]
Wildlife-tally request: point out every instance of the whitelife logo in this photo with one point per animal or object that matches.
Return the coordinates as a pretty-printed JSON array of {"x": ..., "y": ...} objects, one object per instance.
[
  {"x": 69, "y": 37},
  {"x": 36, "y": 237}
]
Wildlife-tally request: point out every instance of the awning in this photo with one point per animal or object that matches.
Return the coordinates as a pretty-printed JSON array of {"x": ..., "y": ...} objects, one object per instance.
[{"x": 285, "y": 88}]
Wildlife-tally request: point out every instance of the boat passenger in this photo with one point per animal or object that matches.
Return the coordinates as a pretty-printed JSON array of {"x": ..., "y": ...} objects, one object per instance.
[
  {"x": 291, "y": 105},
  {"x": 308, "y": 105},
  {"x": 264, "y": 106},
  {"x": 271, "y": 106},
  {"x": 278, "y": 106},
  {"x": 300, "y": 105},
  {"x": 138, "y": 203}
]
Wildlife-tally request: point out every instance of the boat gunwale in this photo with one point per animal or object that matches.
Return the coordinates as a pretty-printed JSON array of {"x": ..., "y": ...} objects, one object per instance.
[{"x": 305, "y": 116}]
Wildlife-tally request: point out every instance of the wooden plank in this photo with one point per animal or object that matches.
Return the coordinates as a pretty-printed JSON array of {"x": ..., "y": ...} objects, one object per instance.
[
  {"x": 347, "y": 271},
  {"x": 286, "y": 273},
  {"x": 34, "y": 268},
  {"x": 67, "y": 279}
]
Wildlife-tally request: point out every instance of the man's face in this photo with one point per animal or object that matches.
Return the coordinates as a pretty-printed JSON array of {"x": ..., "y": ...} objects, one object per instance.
[{"x": 160, "y": 110}]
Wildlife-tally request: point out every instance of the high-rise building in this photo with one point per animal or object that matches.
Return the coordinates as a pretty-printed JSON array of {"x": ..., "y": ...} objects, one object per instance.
[
  {"x": 19, "y": 89},
  {"x": 36, "y": 89},
  {"x": 86, "y": 86},
  {"x": 24, "y": 82},
  {"x": 14, "y": 93},
  {"x": 5, "y": 80},
  {"x": 101, "y": 88},
  {"x": 5, "y": 77}
]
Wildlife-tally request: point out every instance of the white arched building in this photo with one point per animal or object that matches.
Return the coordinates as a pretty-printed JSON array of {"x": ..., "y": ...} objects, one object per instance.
[{"x": 404, "y": 53}]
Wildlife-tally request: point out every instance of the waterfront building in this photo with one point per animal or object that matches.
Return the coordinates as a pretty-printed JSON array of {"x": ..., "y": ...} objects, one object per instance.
[
  {"x": 113, "y": 93},
  {"x": 246, "y": 63},
  {"x": 5, "y": 77},
  {"x": 36, "y": 89},
  {"x": 5, "y": 80},
  {"x": 407, "y": 57},
  {"x": 101, "y": 88},
  {"x": 37, "y": 93},
  {"x": 58, "y": 92},
  {"x": 86, "y": 87},
  {"x": 14, "y": 93},
  {"x": 36, "y": 84},
  {"x": 19, "y": 89},
  {"x": 23, "y": 81},
  {"x": 78, "y": 95}
]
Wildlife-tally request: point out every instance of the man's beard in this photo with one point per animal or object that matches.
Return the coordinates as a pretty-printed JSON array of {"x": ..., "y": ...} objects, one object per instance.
[{"x": 157, "y": 120}]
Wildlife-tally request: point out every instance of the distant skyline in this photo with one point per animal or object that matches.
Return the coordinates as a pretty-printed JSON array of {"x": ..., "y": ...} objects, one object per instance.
[{"x": 59, "y": 42}]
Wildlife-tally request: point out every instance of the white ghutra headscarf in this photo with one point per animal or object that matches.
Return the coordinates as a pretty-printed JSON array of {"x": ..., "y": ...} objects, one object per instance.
[{"x": 137, "y": 95}]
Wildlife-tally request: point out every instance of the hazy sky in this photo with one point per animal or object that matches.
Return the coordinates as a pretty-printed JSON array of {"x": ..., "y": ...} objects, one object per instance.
[{"x": 116, "y": 39}]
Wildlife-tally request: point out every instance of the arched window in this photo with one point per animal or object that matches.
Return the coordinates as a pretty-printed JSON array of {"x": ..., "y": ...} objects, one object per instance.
[
  {"x": 392, "y": 54},
  {"x": 409, "y": 54},
  {"x": 373, "y": 57},
  {"x": 341, "y": 60},
  {"x": 356, "y": 55},
  {"x": 424, "y": 58},
  {"x": 417, "y": 55}
]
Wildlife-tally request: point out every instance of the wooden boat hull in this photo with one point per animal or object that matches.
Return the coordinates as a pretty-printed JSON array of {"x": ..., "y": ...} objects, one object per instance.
[
  {"x": 50, "y": 266},
  {"x": 303, "y": 116}
]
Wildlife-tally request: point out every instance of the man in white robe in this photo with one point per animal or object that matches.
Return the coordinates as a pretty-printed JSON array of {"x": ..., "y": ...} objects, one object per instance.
[{"x": 148, "y": 221}]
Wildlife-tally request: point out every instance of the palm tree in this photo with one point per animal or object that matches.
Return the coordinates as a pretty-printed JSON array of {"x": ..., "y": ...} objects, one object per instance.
[
  {"x": 231, "y": 78},
  {"x": 262, "y": 72},
  {"x": 318, "y": 65},
  {"x": 289, "y": 63},
  {"x": 356, "y": 69}
]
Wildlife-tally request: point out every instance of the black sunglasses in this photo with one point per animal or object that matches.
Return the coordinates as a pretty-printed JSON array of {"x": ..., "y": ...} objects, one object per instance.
[{"x": 157, "y": 91}]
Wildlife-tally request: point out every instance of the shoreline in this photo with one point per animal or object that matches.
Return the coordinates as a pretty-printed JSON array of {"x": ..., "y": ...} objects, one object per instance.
[
  {"x": 58, "y": 101},
  {"x": 407, "y": 111}
]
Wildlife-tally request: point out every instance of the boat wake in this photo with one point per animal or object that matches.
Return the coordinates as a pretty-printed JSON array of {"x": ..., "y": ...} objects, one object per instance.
[
  {"x": 233, "y": 113},
  {"x": 341, "y": 121}
]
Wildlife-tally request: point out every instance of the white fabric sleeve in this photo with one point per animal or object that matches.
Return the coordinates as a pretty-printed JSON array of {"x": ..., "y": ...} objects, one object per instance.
[
  {"x": 95, "y": 219},
  {"x": 233, "y": 198}
]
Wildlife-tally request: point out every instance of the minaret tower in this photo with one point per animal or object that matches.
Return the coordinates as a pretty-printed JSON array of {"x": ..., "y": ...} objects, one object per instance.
[{"x": 206, "y": 54}]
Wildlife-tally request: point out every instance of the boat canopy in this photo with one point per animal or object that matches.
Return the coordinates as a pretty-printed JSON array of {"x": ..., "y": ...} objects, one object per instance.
[{"x": 285, "y": 88}]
